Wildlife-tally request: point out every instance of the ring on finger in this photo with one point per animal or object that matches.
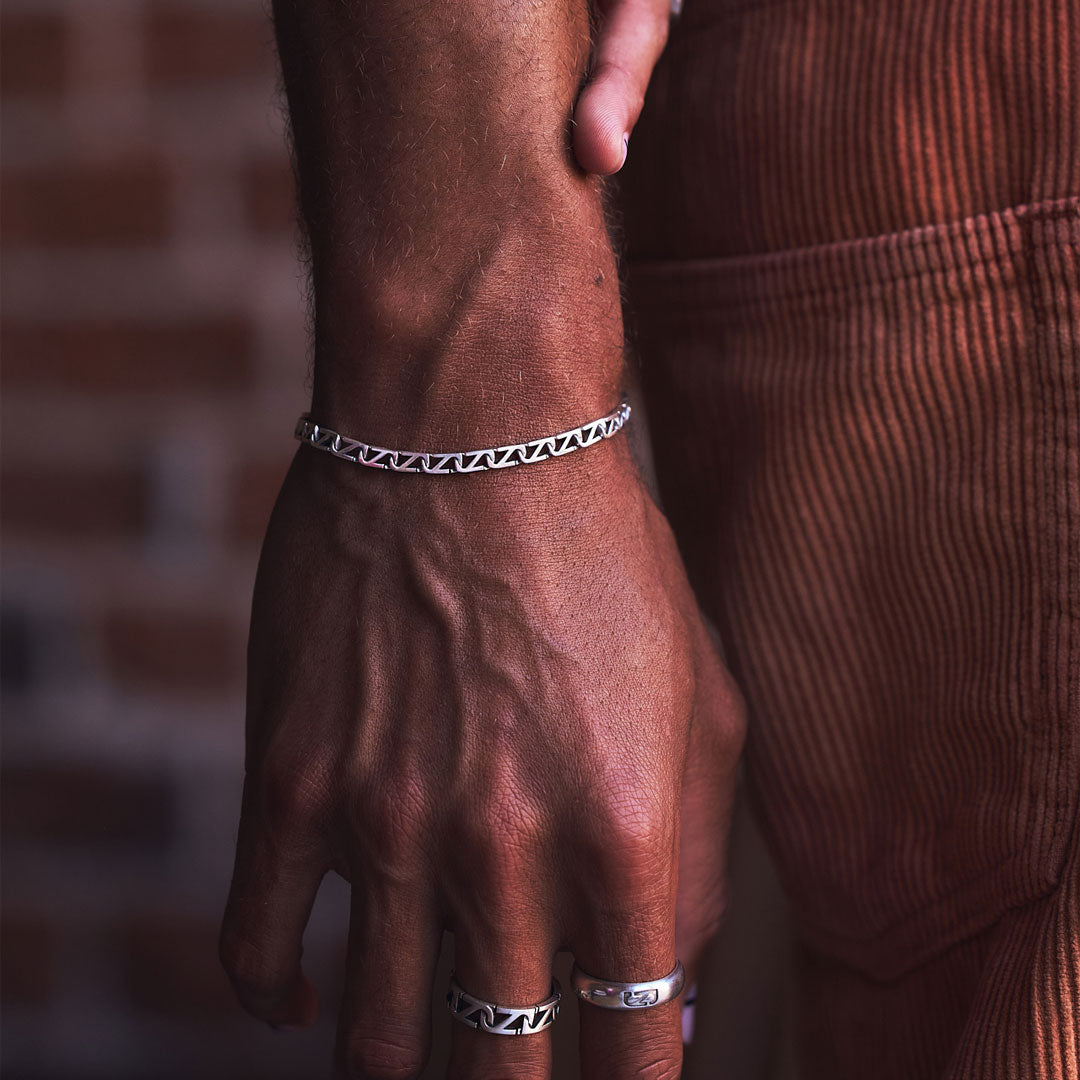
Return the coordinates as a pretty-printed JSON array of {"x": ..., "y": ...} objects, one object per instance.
[
  {"x": 609, "y": 994},
  {"x": 503, "y": 1019}
]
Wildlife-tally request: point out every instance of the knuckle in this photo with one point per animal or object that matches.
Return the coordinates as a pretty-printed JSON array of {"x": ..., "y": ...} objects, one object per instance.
[
  {"x": 737, "y": 725},
  {"x": 521, "y": 1069},
  {"x": 639, "y": 834},
  {"x": 629, "y": 82},
  {"x": 711, "y": 912},
  {"x": 504, "y": 837},
  {"x": 500, "y": 871},
  {"x": 661, "y": 1069},
  {"x": 710, "y": 923},
  {"x": 634, "y": 843},
  {"x": 730, "y": 716},
  {"x": 253, "y": 972},
  {"x": 378, "y": 1057},
  {"x": 391, "y": 819},
  {"x": 292, "y": 795},
  {"x": 656, "y": 1059}
]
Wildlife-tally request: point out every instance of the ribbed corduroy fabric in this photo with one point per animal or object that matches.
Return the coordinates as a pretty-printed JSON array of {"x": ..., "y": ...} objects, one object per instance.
[{"x": 854, "y": 232}]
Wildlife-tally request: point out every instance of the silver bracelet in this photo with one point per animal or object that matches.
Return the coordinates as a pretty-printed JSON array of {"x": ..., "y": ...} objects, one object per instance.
[{"x": 460, "y": 461}]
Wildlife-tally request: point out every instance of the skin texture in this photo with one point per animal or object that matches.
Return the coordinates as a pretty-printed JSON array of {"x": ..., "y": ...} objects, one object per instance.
[
  {"x": 488, "y": 701},
  {"x": 631, "y": 37}
]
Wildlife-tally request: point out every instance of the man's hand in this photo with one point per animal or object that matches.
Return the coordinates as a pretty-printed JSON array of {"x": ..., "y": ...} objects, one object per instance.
[
  {"x": 629, "y": 41},
  {"x": 488, "y": 700},
  {"x": 476, "y": 697}
]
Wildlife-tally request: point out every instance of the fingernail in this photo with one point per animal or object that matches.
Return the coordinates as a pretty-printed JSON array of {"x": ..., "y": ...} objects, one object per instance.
[{"x": 625, "y": 148}]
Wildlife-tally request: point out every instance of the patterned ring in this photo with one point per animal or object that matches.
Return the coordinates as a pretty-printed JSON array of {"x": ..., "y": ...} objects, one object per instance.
[
  {"x": 609, "y": 994},
  {"x": 503, "y": 1019}
]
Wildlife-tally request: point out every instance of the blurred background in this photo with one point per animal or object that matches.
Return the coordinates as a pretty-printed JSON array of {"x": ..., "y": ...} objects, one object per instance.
[
  {"x": 154, "y": 359},
  {"x": 153, "y": 363}
]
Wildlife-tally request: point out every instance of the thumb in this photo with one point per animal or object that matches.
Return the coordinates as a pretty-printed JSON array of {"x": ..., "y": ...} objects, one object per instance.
[
  {"x": 708, "y": 793},
  {"x": 632, "y": 37}
]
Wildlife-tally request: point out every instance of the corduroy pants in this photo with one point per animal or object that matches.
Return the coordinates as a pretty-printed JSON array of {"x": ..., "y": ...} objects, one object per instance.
[{"x": 854, "y": 277}]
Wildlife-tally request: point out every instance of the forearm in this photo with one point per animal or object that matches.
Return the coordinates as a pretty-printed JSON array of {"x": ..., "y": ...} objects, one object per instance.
[{"x": 464, "y": 286}]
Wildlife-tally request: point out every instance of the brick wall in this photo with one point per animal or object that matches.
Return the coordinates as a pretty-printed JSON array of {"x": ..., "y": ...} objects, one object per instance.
[{"x": 153, "y": 362}]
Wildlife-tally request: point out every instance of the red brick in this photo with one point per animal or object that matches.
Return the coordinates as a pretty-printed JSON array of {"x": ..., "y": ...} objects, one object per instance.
[
  {"x": 81, "y": 804},
  {"x": 27, "y": 960},
  {"x": 270, "y": 196},
  {"x": 33, "y": 53},
  {"x": 191, "y": 46},
  {"x": 178, "y": 652},
  {"x": 251, "y": 498},
  {"x": 125, "y": 202},
  {"x": 169, "y": 965},
  {"x": 73, "y": 501},
  {"x": 119, "y": 357}
]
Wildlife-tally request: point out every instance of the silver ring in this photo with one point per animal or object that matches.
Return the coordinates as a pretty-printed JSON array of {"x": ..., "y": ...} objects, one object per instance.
[
  {"x": 503, "y": 1019},
  {"x": 609, "y": 994}
]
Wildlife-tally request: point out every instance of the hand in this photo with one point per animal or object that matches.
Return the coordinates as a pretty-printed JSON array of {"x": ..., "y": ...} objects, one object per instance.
[
  {"x": 631, "y": 38},
  {"x": 476, "y": 698}
]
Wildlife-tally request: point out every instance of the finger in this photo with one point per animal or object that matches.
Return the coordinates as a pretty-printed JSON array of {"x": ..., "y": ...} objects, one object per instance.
[
  {"x": 506, "y": 962},
  {"x": 279, "y": 866},
  {"x": 716, "y": 737},
  {"x": 702, "y": 862},
  {"x": 630, "y": 42},
  {"x": 502, "y": 897},
  {"x": 384, "y": 1030},
  {"x": 630, "y": 937}
]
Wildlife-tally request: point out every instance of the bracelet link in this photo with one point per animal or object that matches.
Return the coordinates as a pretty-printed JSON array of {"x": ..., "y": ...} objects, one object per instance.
[{"x": 460, "y": 461}]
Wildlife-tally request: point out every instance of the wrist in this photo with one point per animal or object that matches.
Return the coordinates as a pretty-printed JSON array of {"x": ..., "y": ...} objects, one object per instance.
[
  {"x": 447, "y": 420},
  {"x": 527, "y": 343},
  {"x": 522, "y": 507}
]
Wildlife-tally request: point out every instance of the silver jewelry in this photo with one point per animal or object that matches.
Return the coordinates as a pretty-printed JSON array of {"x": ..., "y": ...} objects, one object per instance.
[
  {"x": 628, "y": 995},
  {"x": 676, "y": 8},
  {"x": 503, "y": 1019},
  {"x": 461, "y": 461}
]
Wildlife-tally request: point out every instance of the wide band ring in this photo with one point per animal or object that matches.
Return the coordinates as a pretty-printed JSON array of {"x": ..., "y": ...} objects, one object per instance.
[
  {"x": 609, "y": 994},
  {"x": 502, "y": 1019}
]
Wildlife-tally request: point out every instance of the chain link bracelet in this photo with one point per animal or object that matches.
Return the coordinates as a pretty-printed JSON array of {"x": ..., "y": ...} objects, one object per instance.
[{"x": 460, "y": 461}]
